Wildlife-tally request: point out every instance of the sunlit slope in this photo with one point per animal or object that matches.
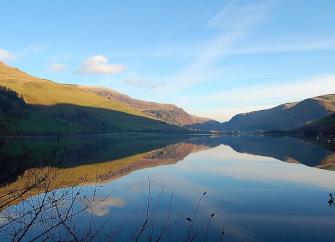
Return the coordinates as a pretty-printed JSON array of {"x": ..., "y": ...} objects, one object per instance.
[
  {"x": 44, "y": 92},
  {"x": 73, "y": 104},
  {"x": 18, "y": 117}
]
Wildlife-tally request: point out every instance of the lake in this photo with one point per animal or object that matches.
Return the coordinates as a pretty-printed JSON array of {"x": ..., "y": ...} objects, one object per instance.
[{"x": 172, "y": 188}]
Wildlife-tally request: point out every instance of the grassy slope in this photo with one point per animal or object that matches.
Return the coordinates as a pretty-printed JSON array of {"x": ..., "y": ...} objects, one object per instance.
[
  {"x": 56, "y": 99},
  {"x": 18, "y": 117},
  {"x": 44, "y": 92},
  {"x": 39, "y": 123}
]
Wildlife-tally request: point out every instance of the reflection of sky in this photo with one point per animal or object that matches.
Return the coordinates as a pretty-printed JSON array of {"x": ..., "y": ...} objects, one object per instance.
[
  {"x": 101, "y": 207},
  {"x": 224, "y": 161},
  {"x": 255, "y": 198}
]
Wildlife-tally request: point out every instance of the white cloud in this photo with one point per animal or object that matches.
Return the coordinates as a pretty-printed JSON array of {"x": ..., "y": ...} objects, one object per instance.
[
  {"x": 277, "y": 92},
  {"x": 245, "y": 99},
  {"x": 140, "y": 83},
  {"x": 233, "y": 22},
  {"x": 36, "y": 47},
  {"x": 238, "y": 17},
  {"x": 98, "y": 64},
  {"x": 57, "y": 67},
  {"x": 225, "y": 113},
  {"x": 288, "y": 45},
  {"x": 6, "y": 55}
]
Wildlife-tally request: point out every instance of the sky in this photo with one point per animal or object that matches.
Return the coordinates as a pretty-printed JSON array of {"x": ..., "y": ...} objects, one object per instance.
[{"x": 214, "y": 58}]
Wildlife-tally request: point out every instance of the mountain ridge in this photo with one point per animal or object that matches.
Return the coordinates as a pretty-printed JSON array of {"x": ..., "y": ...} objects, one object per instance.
[
  {"x": 283, "y": 117},
  {"x": 169, "y": 113}
]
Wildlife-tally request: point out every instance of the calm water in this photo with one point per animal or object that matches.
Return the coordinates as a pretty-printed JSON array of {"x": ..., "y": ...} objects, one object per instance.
[{"x": 260, "y": 188}]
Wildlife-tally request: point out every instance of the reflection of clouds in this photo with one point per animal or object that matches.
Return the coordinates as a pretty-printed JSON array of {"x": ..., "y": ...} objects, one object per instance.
[
  {"x": 3, "y": 220},
  {"x": 240, "y": 233},
  {"x": 157, "y": 179},
  {"x": 223, "y": 160},
  {"x": 245, "y": 226},
  {"x": 227, "y": 153},
  {"x": 171, "y": 180},
  {"x": 312, "y": 220},
  {"x": 137, "y": 186},
  {"x": 214, "y": 171},
  {"x": 102, "y": 207}
]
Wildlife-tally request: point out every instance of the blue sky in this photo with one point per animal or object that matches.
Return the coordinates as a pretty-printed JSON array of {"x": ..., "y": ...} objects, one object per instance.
[{"x": 214, "y": 58}]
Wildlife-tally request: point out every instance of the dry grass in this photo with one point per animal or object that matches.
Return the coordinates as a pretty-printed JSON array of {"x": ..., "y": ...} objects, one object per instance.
[{"x": 45, "y": 92}]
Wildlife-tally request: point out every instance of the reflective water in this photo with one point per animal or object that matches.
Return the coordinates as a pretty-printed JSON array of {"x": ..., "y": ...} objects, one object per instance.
[{"x": 259, "y": 188}]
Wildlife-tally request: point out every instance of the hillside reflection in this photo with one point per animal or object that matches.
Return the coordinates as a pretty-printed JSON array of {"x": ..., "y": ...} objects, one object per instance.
[
  {"x": 100, "y": 177},
  {"x": 96, "y": 159},
  {"x": 87, "y": 161},
  {"x": 288, "y": 149}
]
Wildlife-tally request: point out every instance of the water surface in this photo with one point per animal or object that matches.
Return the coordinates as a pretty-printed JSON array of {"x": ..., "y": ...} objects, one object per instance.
[{"x": 259, "y": 188}]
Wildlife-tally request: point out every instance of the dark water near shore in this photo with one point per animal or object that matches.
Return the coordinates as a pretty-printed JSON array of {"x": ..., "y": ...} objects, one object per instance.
[{"x": 260, "y": 188}]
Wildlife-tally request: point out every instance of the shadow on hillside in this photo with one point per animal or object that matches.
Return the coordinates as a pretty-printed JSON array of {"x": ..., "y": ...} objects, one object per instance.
[
  {"x": 100, "y": 120},
  {"x": 206, "y": 126}
]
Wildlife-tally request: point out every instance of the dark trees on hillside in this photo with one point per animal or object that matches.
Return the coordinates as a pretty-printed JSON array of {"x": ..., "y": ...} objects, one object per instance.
[{"x": 11, "y": 103}]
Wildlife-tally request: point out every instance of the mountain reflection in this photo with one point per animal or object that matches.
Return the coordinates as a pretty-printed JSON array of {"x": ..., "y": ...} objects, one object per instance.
[
  {"x": 107, "y": 177},
  {"x": 90, "y": 160},
  {"x": 288, "y": 149},
  {"x": 96, "y": 160}
]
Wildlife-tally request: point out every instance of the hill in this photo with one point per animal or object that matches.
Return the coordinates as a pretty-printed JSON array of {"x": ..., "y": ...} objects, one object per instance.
[
  {"x": 166, "y": 112},
  {"x": 75, "y": 105},
  {"x": 324, "y": 126},
  {"x": 16, "y": 116},
  {"x": 284, "y": 117}
]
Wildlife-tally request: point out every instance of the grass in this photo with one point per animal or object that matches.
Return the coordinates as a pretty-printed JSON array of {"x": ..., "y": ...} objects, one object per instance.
[
  {"x": 38, "y": 123},
  {"x": 75, "y": 105},
  {"x": 44, "y": 92}
]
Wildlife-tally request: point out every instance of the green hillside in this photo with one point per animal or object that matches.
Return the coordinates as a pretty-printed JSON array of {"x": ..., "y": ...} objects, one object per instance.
[
  {"x": 54, "y": 106},
  {"x": 18, "y": 117}
]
